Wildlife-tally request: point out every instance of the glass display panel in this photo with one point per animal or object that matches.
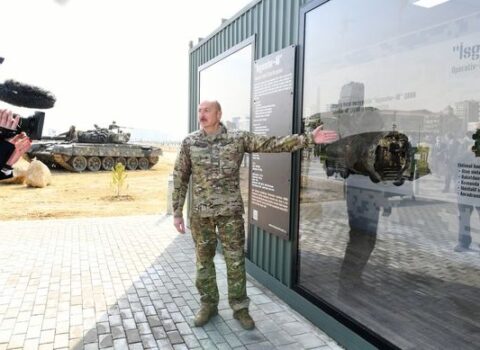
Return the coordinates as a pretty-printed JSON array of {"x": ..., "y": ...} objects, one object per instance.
[
  {"x": 229, "y": 81},
  {"x": 389, "y": 226}
]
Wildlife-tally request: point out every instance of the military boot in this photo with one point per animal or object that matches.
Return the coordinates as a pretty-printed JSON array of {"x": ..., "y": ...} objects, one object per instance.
[
  {"x": 245, "y": 319},
  {"x": 205, "y": 313}
]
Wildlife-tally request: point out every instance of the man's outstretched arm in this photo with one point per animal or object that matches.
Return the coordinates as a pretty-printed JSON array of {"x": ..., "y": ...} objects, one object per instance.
[{"x": 274, "y": 144}]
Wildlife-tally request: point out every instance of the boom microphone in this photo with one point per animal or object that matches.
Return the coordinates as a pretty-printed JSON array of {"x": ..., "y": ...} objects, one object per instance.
[{"x": 28, "y": 96}]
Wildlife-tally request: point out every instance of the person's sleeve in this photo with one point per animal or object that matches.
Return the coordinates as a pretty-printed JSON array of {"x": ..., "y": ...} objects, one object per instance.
[
  {"x": 181, "y": 177},
  {"x": 6, "y": 172},
  {"x": 273, "y": 144},
  {"x": 6, "y": 150}
]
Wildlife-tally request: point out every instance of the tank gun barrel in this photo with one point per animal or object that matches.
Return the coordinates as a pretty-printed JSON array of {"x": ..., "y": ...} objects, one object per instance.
[{"x": 53, "y": 138}]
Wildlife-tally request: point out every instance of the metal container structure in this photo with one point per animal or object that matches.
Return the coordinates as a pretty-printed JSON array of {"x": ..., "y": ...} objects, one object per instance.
[
  {"x": 373, "y": 71},
  {"x": 274, "y": 24}
]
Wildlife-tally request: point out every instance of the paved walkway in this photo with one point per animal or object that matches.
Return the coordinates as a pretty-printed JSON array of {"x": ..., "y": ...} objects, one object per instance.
[{"x": 125, "y": 283}]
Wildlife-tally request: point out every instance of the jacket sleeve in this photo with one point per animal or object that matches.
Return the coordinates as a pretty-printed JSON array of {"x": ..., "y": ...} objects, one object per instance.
[
  {"x": 181, "y": 177},
  {"x": 273, "y": 144},
  {"x": 6, "y": 173}
]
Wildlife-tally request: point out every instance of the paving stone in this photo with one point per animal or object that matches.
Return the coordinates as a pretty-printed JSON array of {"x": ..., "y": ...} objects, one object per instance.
[
  {"x": 117, "y": 332},
  {"x": 120, "y": 344},
  {"x": 91, "y": 346},
  {"x": 16, "y": 341},
  {"x": 129, "y": 323},
  {"x": 144, "y": 328},
  {"x": 133, "y": 336},
  {"x": 126, "y": 295},
  {"x": 184, "y": 328},
  {"x": 266, "y": 326},
  {"x": 191, "y": 341},
  {"x": 216, "y": 337},
  {"x": 105, "y": 341},
  {"x": 309, "y": 340},
  {"x": 154, "y": 321},
  {"x": 279, "y": 338},
  {"x": 250, "y": 337},
  {"x": 126, "y": 313},
  {"x": 103, "y": 327},
  {"x": 159, "y": 332},
  {"x": 61, "y": 341},
  {"x": 207, "y": 344},
  {"x": 149, "y": 341},
  {"x": 232, "y": 340},
  {"x": 30, "y": 344},
  {"x": 140, "y": 317},
  {"x": 47, "y": 336},
  {"x": 169, "y": 325},
  {"x": 149, "y": 310},
  {"x": 199, "y": 333},
  {"x": 115, "y": 320},
  {"x": 260, "y": 346},
  {"x": 135, "y": 346},
  {"x": 175, "y": 337},
  {"x": 164, "y": 344},
  {"x": 90, "y": 336},
  {"x": 177, "y": 317},
  {"x": 295, "y": 328}
]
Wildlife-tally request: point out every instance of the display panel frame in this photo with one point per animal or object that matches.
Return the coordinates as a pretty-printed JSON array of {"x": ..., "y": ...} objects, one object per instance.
[{"x": 250, "y": 41}]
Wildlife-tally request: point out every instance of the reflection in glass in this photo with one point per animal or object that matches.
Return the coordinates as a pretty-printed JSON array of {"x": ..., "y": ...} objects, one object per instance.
[
  {"x": 229, "y": 82},
  {"x": 388, "y": 232}
]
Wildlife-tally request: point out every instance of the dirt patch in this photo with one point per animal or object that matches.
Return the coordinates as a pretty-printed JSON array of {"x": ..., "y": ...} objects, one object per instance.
[
  {"x": 89, "y": 194},
  {"x": 122, "y": 197}
]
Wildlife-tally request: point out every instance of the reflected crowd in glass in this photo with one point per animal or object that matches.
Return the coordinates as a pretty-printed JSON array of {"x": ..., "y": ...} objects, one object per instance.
[{"x": 390, "y": 214}]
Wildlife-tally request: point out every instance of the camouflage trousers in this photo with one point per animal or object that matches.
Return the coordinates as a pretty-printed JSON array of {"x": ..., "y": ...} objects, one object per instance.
[{"x": 232, "y": 236}]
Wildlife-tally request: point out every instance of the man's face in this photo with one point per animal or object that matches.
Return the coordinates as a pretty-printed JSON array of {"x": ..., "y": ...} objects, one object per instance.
[{"x": 208, "y": 115}]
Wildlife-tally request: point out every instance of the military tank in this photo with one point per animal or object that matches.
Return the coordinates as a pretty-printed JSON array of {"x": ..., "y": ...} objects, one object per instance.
[
  {"x": 380, "y": 155},
  {"x": 94, "y": 150}
]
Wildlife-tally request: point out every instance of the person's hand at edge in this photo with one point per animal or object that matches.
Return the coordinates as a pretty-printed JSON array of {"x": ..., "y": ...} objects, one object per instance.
[
  {"x": 22, "y": 143},
  {"x": 8, "y": 120},
  {"x": 179, "y": 224},
  {"x": 321, "y": 136}
]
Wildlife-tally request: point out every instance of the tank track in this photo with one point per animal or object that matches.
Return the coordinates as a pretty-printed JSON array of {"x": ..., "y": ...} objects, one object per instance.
[{"x": 61, "y": 161}]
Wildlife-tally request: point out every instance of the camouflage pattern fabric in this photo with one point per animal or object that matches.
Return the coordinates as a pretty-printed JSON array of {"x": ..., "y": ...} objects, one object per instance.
[
  {"x": 232, "y": 236},
  {"x": 213, "y": 161}
]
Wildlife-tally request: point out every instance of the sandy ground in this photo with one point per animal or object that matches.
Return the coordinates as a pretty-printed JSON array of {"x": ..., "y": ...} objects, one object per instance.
[{"x": 89, "y": 194}]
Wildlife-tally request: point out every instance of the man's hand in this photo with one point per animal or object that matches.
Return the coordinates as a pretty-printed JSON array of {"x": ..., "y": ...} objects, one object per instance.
[
  {"x": 324, "y": 136},
  {"x": 22, "y": 143},
  {"x": 7, "y": 120},
  {"x": 179, "y": 224}
]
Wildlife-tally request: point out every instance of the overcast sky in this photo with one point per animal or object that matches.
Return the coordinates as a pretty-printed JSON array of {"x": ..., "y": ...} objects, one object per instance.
[{"x": 122, "y": 60}]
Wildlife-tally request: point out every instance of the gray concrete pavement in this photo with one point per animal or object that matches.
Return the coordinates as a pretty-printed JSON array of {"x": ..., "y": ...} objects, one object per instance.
[{"x": 125, "y": 283}]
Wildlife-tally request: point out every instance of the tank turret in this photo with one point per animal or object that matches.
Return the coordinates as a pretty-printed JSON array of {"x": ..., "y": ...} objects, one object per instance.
[{"x": 382, "y": 156}]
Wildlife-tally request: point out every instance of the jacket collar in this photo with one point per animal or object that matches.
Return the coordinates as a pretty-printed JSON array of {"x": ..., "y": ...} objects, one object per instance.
[{"x": 221, "y": 130}]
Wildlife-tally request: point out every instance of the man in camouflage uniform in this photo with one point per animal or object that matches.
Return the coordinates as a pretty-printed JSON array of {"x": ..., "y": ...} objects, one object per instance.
[{"x": 212, "y": 156}]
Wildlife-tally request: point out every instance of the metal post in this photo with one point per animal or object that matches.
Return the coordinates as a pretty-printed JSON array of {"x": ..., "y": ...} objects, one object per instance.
[{"x": 169, "y": 195}]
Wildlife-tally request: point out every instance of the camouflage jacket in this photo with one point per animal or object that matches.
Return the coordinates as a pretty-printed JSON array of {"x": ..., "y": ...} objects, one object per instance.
[{"x": 214, "y": 161}]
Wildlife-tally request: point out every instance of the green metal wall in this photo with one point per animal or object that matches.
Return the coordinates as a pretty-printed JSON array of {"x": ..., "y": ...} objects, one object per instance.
[{"x": 275, "y": 25}]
